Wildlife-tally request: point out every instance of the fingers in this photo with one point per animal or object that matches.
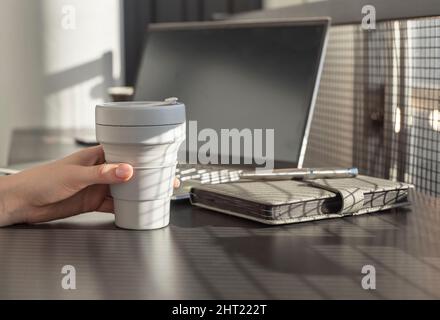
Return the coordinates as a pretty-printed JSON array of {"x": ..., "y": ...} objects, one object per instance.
[
  {"x": 108, "y": 173},
  {"x": 106, "y": 206},
  {"x": 80, "y": 177},
  {"x": 86, "y": 157},
  {"x": 84, "y": 171}
]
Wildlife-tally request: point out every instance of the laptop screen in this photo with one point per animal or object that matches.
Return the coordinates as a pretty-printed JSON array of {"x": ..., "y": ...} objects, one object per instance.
[{"x": 257, "y": 76}]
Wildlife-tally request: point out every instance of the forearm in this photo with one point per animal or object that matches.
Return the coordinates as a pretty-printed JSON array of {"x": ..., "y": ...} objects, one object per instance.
[{"x": 10, "y": 210}]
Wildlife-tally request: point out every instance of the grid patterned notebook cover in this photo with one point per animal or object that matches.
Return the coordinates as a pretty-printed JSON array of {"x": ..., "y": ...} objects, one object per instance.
[{"x": 288, "y": 201}]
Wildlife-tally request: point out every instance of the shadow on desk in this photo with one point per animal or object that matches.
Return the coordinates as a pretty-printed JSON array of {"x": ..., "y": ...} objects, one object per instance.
[
  {"x": 186, "y": 216},
  {"x": 87, "y": 221}
]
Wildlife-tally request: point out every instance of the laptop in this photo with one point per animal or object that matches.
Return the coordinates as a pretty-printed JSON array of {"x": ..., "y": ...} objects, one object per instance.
[{"x": 251, "y": 74}]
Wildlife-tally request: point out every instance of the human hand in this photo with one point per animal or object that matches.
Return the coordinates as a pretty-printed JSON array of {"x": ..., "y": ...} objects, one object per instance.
[{"x": 75, "y": 184}]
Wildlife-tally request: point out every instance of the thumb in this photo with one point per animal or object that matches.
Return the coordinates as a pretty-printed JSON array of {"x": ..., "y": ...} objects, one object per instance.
[{"x": 107, "y": 173}]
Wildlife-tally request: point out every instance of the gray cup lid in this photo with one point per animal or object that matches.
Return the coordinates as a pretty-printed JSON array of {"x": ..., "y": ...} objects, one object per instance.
[{"x": 140, "y": 113}]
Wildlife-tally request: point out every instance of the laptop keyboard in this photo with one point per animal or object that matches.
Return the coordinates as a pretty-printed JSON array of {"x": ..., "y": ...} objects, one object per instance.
[{"x": 207, "y": 174}]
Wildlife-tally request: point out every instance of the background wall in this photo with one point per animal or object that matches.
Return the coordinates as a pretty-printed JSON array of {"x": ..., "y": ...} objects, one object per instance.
[{"x": 57, "y": 58}]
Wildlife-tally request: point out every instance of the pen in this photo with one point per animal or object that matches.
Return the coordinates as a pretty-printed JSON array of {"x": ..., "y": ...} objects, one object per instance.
[{"x": 301, "y": 174}]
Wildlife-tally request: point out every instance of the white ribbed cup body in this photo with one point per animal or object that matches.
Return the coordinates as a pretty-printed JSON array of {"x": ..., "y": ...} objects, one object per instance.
[{"x": 143, "y": 202}]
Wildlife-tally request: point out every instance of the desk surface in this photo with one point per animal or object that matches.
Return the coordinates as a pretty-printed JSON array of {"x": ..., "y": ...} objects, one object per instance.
[{"x": 204, "y": 255}]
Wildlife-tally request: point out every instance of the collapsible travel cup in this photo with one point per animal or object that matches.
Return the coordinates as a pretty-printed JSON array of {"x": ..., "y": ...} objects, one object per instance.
[{"x": 146, "y": 135}]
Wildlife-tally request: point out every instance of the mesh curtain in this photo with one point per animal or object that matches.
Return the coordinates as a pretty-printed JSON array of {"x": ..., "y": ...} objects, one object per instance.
[{"x": 378, "y": 106}]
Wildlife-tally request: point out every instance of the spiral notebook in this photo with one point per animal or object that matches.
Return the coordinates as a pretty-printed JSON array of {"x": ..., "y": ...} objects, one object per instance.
[{"x": 289, "y": 201}]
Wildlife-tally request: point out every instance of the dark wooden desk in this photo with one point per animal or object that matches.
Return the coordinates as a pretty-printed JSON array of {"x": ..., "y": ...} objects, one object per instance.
[{"x": 203, "y": 254}]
